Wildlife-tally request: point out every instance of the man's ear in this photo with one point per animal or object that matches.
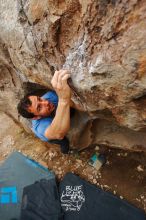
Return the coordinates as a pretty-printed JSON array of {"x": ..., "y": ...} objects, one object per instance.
[{"x": 36, "y": 117}]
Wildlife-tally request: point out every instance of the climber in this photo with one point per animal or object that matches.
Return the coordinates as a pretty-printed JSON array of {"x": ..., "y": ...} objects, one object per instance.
[{"x": 50, "y": 113}]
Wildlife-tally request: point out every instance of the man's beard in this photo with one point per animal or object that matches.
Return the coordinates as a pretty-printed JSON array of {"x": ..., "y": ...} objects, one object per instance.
[{"x": 53, "y": 113}]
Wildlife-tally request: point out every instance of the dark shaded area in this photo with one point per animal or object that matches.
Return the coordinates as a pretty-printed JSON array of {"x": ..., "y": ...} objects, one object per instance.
[{"x": 34, "y": 89}]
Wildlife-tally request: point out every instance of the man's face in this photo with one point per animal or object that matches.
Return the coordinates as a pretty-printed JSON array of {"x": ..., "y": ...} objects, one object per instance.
[{"x": 40, "y": 107}]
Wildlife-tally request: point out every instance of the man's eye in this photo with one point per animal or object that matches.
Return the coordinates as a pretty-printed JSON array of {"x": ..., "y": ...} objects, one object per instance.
[{"x": 39, "y": 108}]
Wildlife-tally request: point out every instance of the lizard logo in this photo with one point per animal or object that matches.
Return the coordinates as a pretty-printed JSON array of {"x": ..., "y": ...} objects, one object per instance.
[{"x": 72, "y": 198}]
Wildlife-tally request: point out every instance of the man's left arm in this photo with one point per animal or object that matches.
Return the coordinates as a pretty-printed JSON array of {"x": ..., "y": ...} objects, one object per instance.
[{"x": 61, "y": 122}]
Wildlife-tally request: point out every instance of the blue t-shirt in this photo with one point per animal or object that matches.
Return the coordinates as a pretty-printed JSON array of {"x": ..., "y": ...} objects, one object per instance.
[{"x": 39, "y": 126}]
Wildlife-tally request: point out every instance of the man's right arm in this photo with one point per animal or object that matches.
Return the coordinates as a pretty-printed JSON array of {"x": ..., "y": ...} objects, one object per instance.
[{"x": 61, "y": 122}]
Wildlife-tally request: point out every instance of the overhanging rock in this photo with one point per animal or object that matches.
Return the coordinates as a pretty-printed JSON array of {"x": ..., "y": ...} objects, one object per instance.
[{"x": 102, "y": 43}]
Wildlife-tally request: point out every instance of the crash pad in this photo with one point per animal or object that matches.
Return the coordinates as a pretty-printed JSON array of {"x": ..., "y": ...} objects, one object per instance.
[
  {"x": 81, "y": 200},
  {"x": 17, "y": 172}
]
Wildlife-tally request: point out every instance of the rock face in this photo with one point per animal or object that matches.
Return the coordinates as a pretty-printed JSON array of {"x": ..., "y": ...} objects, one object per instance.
[{"x": 102, "y": 43}]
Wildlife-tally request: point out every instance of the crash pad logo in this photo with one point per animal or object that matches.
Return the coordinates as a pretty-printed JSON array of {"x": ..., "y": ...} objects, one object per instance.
[
  {"x": 72, "y": 198},
  {"x": 8, "y": 195}
]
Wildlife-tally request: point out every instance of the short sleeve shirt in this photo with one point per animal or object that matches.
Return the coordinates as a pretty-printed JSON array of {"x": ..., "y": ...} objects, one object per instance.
[{"x": 40, "y": 125}]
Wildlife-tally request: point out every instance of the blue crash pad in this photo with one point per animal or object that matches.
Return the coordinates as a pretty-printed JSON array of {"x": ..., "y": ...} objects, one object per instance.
[{"x": 17, "y": 172}]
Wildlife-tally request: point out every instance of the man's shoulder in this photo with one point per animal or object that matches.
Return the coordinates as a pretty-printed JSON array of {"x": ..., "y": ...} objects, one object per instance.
[
  {"x": 39, "y": 126},
  {"x": 41, "y": 121},
  {"x": 49, "y": 94}
]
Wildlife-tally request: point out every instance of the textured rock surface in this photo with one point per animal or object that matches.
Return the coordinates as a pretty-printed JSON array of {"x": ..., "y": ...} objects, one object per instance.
[{"x": 102, "y": 42}]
